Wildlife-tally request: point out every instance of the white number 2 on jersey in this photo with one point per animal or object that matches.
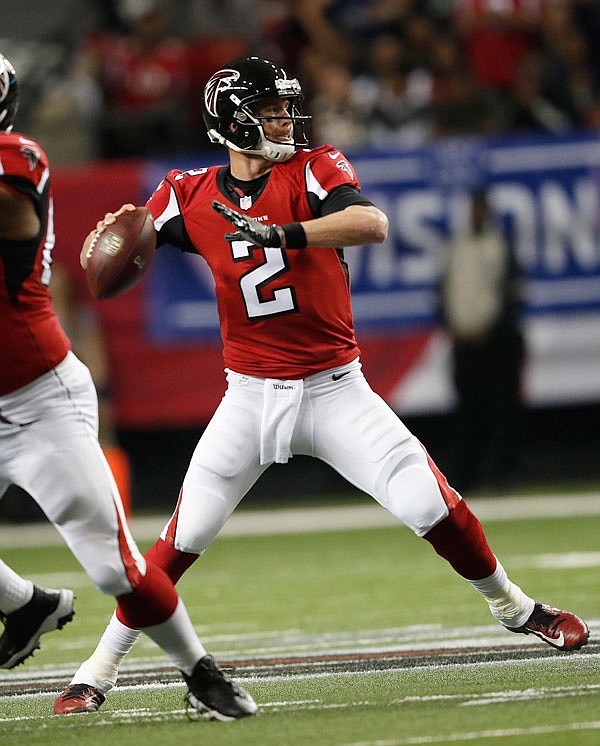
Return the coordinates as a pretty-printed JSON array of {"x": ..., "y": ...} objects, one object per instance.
[{"x": 254, "y": 283}]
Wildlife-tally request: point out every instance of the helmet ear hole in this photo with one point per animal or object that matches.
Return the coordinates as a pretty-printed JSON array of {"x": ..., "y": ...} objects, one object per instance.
[
  {"x": 251, "y": 136},
  {"x": 243, "y": 136}
]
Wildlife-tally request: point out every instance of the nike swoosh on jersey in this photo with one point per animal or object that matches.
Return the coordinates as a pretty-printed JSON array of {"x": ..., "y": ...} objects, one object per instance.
[
  {"x": 337, "y": 376},
  {"x": 334, "y": 155}
]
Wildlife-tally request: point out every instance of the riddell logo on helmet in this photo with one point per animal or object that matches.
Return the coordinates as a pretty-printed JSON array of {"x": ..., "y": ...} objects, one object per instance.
[
  {"x": 220, "y": 81},
  {"x": 288, "y": 86}
]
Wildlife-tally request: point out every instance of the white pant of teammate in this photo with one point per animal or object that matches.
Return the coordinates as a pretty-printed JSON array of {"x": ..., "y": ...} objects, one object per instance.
[
  {"x": 334, "y": 416},
  {"x": 49, "y": 447}
]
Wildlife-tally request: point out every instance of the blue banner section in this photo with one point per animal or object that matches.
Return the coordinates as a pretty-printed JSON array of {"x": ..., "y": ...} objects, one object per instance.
[{"x": 544, "y": 189}]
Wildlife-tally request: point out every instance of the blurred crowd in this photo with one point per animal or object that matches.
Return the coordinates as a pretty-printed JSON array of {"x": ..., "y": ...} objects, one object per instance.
[{"x": 120, "y": 78}]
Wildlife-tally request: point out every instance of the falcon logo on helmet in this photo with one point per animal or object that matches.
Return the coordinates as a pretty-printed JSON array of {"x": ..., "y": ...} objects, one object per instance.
[
  {"x": 219, "y": 82},
  {"x": 8, "y": 94}
]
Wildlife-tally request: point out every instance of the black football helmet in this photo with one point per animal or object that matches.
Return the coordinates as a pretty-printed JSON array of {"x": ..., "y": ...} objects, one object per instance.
[
  {"x": 232, "y": 97},
  {"x": 8, "y": 94}
]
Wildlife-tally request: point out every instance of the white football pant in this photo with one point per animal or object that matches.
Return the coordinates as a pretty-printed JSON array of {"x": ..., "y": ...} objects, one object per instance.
[
  {"x": 334, "y": 416},
  {"x": 49, "y": 447}
]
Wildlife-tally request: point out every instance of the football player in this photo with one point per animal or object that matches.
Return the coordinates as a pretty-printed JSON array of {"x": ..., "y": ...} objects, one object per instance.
[
  {"x": 295, "y": 384},
  {"x": 50, "y": 448}
]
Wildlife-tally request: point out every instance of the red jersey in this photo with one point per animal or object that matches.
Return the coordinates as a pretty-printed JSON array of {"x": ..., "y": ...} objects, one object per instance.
[
  {"x": 32, "y": 340},
  {"x": 284, "y": 313}
]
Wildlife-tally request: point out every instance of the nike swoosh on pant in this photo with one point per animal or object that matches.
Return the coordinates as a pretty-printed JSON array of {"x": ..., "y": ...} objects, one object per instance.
[{"x": 337, "y": 376}]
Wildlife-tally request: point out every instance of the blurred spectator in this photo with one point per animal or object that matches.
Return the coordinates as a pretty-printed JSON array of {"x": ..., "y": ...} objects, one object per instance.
[
  {"x": 143, "y": 80},
  {"x": 593, "y": 115},
  {"x": 587, "y": 19},
  {"x": 109, "y": 16},
  {"x": 222, "y": 18},
  {"x": 440, "y": 11},
  {"x": 394, "y": 99},
  {"x": 342, "y": 30},
  {"x": 421, "y": 39},
  {"x": 60, "y": 22},
  {"x": 496, "y": 35},
  {"x": 480, "y": 304},
  {"x": 418, "y": 69},
  {"x": 281, "y": 36},
  {"x": 529, "y": 109},
  {"x": 459, "y": 105},
  {"x": 568, "y": 78},
  {"x": 447, "y": 64},
  {"x": 466, "y": 110},
  {"x": 326, "y": 40},
  {"x": 128, "y": 89},
  {"x": 336, "y": 115}
]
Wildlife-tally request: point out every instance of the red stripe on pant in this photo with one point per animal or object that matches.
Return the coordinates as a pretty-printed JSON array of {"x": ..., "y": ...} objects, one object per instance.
[
  {"x": 450, "y": 495},
  {"x": 152, "y": 602},
  {"x": 460, "y": 538},
  {"x": 153, "y": 598},
  {"x": 164, "y": 555}
]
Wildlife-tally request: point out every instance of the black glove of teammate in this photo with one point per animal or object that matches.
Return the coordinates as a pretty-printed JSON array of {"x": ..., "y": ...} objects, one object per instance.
[{"x": 249, "y": 228}]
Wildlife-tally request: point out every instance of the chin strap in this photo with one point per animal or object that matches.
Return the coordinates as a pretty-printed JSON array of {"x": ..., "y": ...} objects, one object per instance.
[{"x": 272, "y": 151}]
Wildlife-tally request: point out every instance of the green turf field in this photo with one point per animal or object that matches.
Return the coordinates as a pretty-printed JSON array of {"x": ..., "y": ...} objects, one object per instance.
[{"x": 358, "y": 637}]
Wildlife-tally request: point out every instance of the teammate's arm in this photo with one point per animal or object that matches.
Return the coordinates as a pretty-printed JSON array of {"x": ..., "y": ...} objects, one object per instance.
[{"x": 18, "y": 218}]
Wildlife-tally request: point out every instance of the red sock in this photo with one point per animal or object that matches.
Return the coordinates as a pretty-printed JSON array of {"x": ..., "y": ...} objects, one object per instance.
[
  {"x": 152, "y": 602},
  {"x": 164, "y": 555},
  {"x": 460, "y": 539}
]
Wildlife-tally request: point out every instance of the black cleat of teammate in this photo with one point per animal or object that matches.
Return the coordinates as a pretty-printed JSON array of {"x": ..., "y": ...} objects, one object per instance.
[{"x": 47, "y": 610}]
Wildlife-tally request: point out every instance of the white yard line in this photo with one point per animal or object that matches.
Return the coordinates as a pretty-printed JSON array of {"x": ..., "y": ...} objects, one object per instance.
[
  {"x": 542, "y": 693},
  {"x": 366, "y": 514},
  {"x": 540, "y": 730}
]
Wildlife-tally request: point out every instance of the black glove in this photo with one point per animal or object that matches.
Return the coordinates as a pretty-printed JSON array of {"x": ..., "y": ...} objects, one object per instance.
[{"x": 248, "y": 228}]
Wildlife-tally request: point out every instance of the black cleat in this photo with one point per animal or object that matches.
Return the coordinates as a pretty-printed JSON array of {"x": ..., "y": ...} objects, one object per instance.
[
  {"x": 561, "y": 629},
  {"x": 46, "y": 611},
  {"x": 213, "y": 694}
]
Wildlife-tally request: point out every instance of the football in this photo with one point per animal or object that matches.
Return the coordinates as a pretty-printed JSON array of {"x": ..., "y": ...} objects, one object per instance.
[{"x": 122, "y": 254}]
